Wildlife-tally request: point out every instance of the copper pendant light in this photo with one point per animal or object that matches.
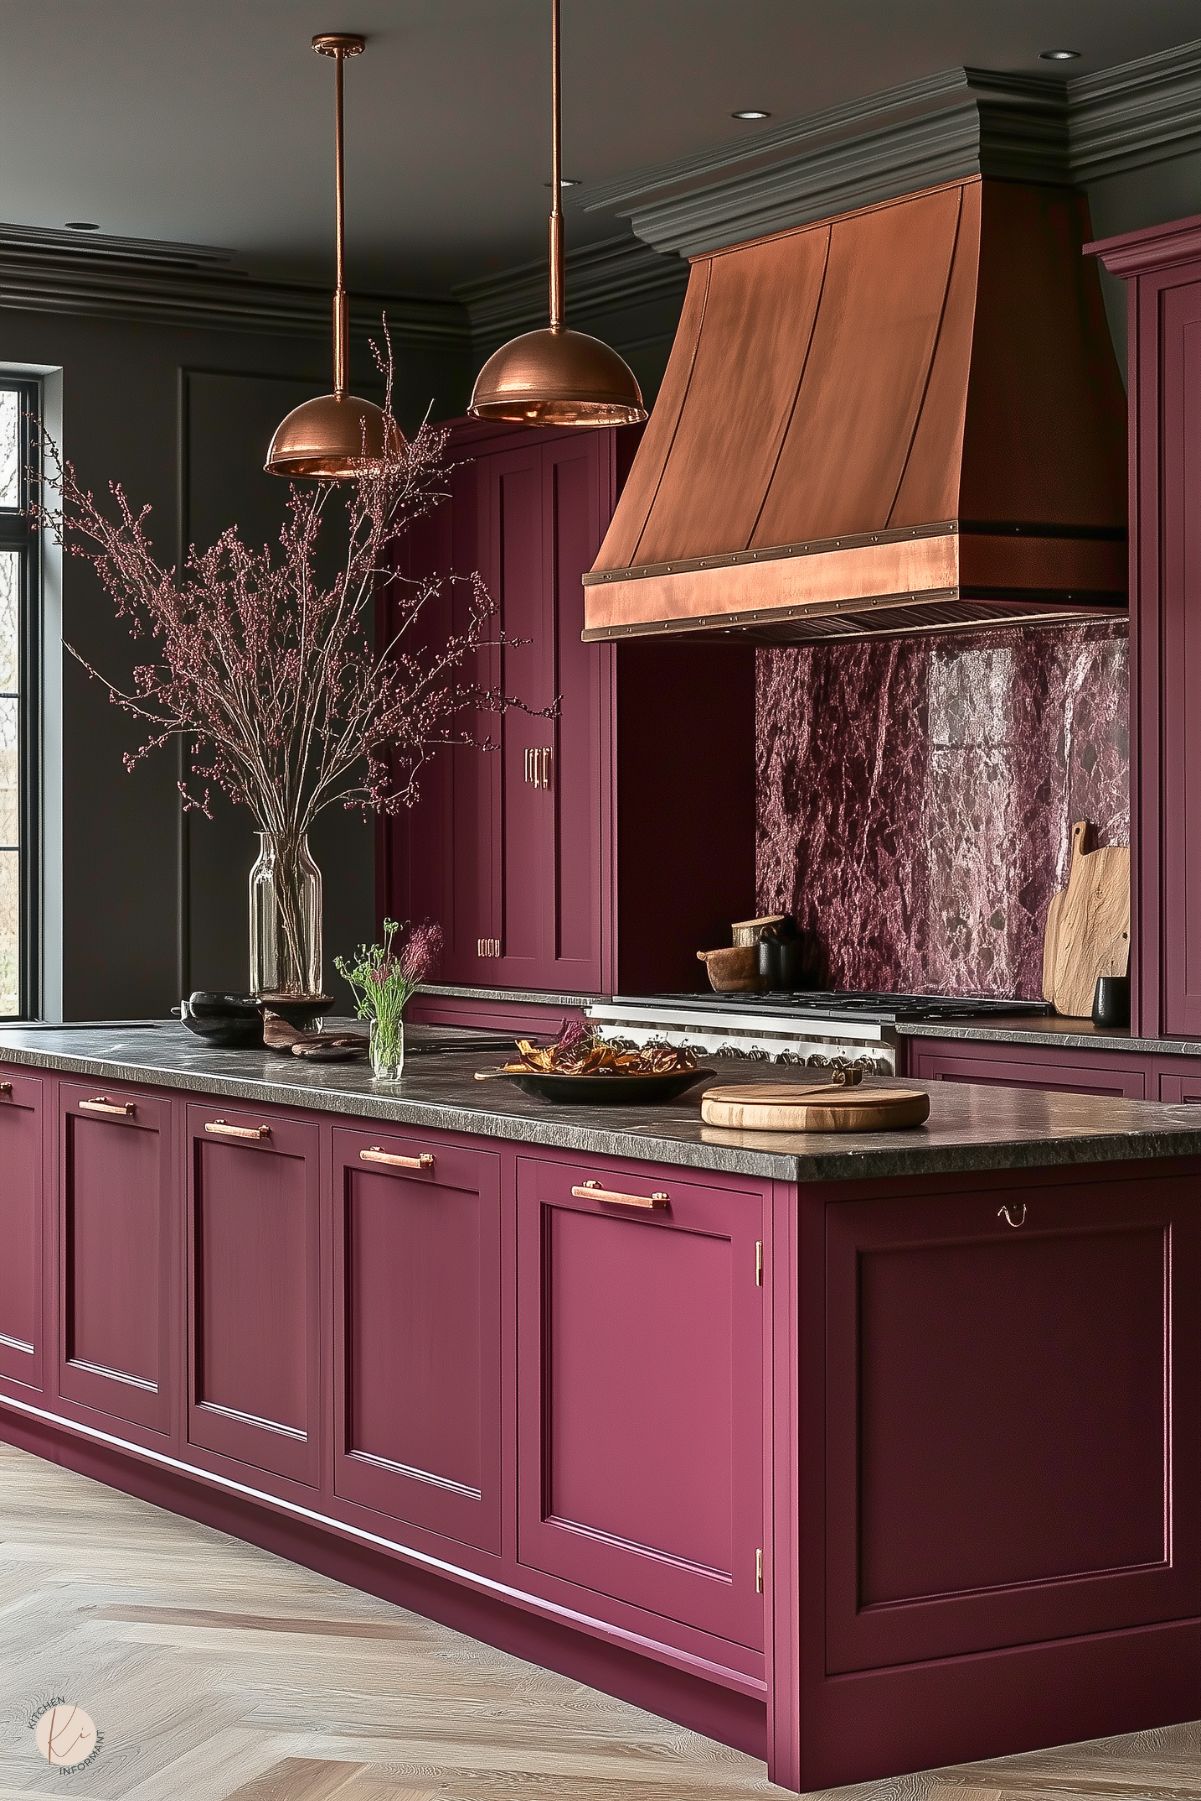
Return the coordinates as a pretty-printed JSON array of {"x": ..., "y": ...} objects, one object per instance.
[
  {"x": 335, "y": 437},
  {"x": 556, "y": 376}
]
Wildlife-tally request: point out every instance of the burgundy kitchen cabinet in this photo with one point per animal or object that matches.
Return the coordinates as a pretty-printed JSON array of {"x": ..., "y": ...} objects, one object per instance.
[
  {"x": 254, "y": 1291},
  {"x": 1029, "y": 1066},
  {"x": 610, "y": 833},
  {"x": 1162, "y": 269},
  {"x": 640, "y": 1385},
  {"x": 416, "y": 1241},
  {"x": 1002, "y": 1466},
  {"x": 117, "y": 1239},
  {"x": 21, "y": 1287},
  {"x": 1180, "y": 1085}
]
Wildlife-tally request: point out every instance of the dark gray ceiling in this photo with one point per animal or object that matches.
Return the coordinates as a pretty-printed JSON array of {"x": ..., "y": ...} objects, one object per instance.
[{"x": 209, "y": 121}]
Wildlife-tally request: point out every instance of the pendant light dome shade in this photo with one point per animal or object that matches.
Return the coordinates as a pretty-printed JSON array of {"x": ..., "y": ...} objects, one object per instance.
[
  {"x": 335, "y": 437},
  {"x": 555, "y": 376},
  {"x": 561, "y": 377}
]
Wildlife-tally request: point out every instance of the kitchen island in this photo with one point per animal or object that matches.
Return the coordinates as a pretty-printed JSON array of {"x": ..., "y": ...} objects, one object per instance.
[{"x": 864, "y": 1453}]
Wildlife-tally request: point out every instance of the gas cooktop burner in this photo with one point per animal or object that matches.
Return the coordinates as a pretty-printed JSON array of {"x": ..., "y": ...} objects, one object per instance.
[{"x": 866, "y": 1005}]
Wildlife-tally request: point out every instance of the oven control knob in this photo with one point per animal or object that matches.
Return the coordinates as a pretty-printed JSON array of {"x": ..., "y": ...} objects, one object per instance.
[
  {"x": 727, "y": 1050},
  {"x": 757, "y": 1054},
  {"x": 818, "y": 1060},
  {"x": 791, "y": 1057}
]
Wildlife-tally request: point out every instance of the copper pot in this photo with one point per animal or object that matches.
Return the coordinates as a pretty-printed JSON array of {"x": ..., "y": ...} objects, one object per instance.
[{"x": 732, "y": 970}]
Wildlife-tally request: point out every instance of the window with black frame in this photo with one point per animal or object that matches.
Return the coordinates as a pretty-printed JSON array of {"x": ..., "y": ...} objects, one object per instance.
[{"x": 19, "y": 590}]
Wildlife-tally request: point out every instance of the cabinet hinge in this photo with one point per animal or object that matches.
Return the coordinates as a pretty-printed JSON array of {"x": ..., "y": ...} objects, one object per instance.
[
  {"x": 758, "y": 1263},
  {"x": 758, "y": 1572}
]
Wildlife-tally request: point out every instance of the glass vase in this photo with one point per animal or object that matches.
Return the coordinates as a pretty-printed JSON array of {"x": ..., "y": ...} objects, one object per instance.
[
  {"x": 285, "y": 917},
  {"x": 387, "y": 1050}
]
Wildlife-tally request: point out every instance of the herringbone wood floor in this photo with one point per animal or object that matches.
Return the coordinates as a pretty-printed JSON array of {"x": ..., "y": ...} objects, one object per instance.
[{"x": 216, "y": 1672}]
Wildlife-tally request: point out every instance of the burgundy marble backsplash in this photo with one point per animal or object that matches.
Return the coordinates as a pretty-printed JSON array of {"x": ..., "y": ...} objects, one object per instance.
[{"x": 916, "y": 797}]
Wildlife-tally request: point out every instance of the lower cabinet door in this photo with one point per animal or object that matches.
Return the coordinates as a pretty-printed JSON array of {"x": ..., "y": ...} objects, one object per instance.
[
  {"x": 253, "y": 1272},
  {"x": 1027, "y": 1066},
  {"x": 417, "y": 1332},
  {"x": 640, "y": 1395},
  {"x": 1184, "y": 1089},
  {"x": 20, "y": 1230},
  {"x": 1013, "y": 1388},
  {"x": 116, "y": 1254}
]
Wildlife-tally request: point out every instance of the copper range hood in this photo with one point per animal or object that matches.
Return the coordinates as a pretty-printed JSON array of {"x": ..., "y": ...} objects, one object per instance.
[{"x": 905, "y": 419}]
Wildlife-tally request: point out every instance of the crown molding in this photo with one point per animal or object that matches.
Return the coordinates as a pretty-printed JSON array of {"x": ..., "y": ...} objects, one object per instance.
[
  {"x": 193, "y": 285},
  {"x": 618, "y": 273},
  {"x": 1137, "y": 114},
  {"x": 945, "y": 127}
]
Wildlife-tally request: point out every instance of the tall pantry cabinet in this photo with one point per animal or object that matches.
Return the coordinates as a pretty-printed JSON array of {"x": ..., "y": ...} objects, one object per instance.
[
  {"x": 609, "y": 833},
  {"x": 1162, "y": 269}
]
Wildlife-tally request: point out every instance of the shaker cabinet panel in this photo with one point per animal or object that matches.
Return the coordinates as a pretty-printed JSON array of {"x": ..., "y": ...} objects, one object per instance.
[
  {"x": 640, "y": 1391},
  {"x": 1024, "y": 1066},
  {"x": 1002, "y": 1465},
  {"x": 1179, "y": 396},
  {"x": 437, "y": 858},
  {"x": 116, "y": 1254},
  {"x": 253, "y": 1265},
  {"x": 417, "y": 1332},
  {"x": 577, "y": 486},
  {"x": 21, "y": 1231}
]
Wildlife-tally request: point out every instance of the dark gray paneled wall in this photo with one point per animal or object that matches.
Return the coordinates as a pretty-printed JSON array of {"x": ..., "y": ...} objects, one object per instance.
[{"x": 180, "y": 416}]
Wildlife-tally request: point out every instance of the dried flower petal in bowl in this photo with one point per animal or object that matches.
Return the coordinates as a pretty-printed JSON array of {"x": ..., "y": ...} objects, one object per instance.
[{"x": 579, "y": 1066}]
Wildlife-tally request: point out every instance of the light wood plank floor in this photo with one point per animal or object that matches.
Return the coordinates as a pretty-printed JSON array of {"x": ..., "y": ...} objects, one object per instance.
[{"x": 217, "y": 1672}]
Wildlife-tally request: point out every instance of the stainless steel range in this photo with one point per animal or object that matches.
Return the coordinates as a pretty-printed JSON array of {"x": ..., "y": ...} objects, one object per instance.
[{"x": 832, "y": 1030}]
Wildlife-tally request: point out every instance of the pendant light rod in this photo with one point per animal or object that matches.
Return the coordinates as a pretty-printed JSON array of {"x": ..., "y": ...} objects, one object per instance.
[
  {"x": 339, "y": 45},
  {"x": 556, "y": 166},
  {"x": 336, "y": 437}
]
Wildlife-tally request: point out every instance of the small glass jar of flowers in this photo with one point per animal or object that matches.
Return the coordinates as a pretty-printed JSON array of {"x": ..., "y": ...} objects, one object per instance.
[{"x": 384, "y": 977}]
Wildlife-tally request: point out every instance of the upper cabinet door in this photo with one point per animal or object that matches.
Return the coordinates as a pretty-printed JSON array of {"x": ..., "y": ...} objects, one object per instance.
[
  {"x": 640, "y": 1390},
  {"x": 254, "y": 1306},
  {"x": 577, "y": 477},
  {"x": 20, "y": 1230},
  {"x": 514, "y": 569},
  {"x": 438, "y": 856},
  {"x": 1179, "y": 541},
  {"x": 116, "y": 1256}
]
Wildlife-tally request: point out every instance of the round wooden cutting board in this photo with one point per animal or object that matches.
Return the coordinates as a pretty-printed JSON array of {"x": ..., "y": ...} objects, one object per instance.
[{"x": 812, "y": 1107}]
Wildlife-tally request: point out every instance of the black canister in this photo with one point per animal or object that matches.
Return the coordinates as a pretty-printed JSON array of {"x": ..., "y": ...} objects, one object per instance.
[{"x": 1111, "y": 1001}]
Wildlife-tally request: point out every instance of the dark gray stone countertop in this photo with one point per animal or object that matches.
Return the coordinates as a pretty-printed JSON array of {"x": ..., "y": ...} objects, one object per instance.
[
  {"x": 1051, "y": 1031},
  {"x": 970, "y": 1127}
]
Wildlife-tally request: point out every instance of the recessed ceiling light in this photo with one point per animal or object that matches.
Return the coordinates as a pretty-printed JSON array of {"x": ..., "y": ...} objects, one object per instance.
[
  {"x": 751, "y": 112},
  {"x": 80, "y": 225},
  {"x": 1058, "y": 56}
]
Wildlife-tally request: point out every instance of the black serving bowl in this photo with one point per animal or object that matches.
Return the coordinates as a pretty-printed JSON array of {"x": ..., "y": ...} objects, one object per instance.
[
  {"x": 227, "y": 1021},
  {"x": 615, "y": 1088}
]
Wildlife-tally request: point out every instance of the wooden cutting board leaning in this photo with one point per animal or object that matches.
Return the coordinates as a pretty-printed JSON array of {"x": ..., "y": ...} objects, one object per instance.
[
  {"x": 812, "y": 1107},
  {"x": 1088, "y": 925}
]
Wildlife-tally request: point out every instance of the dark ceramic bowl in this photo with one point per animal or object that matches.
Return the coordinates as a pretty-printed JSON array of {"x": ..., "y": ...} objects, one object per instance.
[
  {"x": 616, "y": 1089},
  {"x": 227, "y": 1021},
  {"x": 305, "y": 1013}
]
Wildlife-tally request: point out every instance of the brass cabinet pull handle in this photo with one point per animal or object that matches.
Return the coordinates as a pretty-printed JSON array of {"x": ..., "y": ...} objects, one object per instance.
[
  {"x": 544, "y": 763},
  {"x": 6, "y": 1087},
  {"x": 1007, "y": 1213},
  {"x": 487, "y": 947},
  {"x": 592, "y": 1191},
  {"x": 102, "y": 1104},
  {"x": 395, "y": 1161},
  {"x": 221, "y": 1129}
]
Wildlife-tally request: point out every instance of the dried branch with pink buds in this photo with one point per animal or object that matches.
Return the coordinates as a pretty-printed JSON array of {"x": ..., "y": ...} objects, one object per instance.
[{"x": 267, "y": 671}]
